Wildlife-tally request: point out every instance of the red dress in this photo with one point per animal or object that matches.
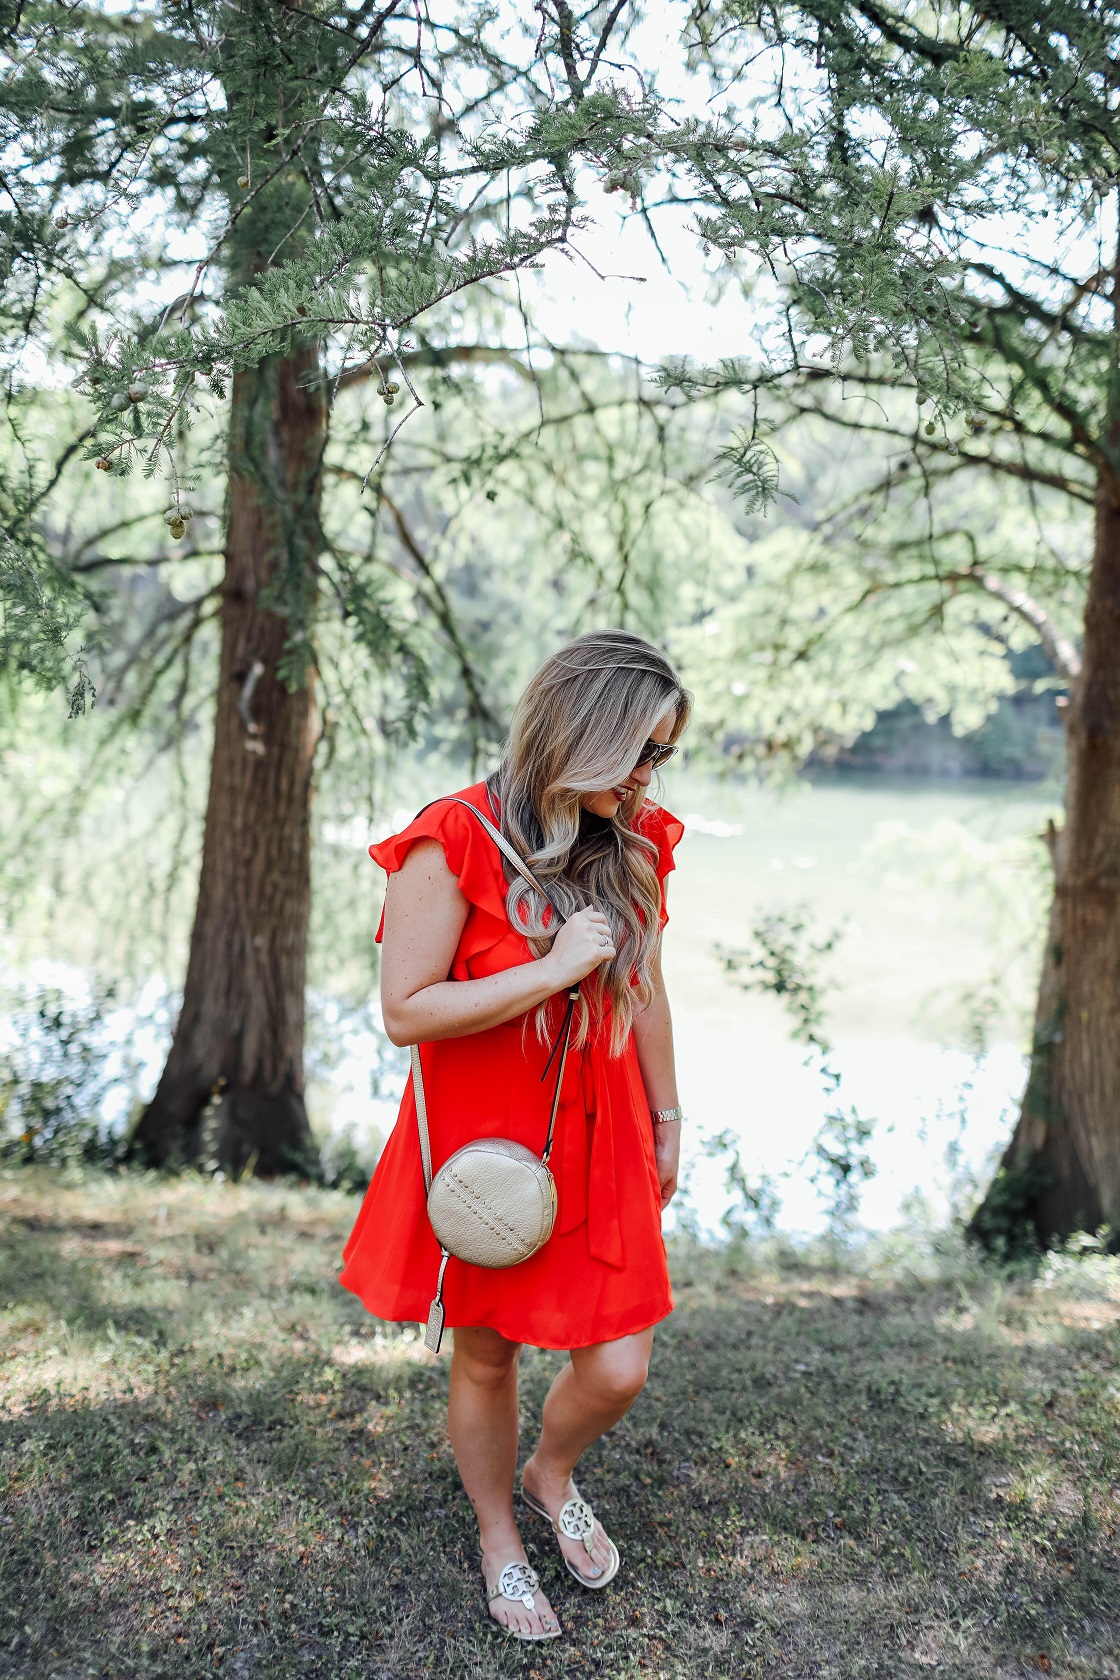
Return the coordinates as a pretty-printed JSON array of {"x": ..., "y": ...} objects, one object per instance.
[{"x": 602, "y": 1274}]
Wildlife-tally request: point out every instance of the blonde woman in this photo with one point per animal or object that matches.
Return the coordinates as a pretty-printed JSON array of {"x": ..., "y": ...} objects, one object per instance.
[{"x": 474, "y": 972}]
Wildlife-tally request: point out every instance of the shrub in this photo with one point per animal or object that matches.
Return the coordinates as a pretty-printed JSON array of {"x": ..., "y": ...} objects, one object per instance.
[{"x": 65, "y": 1080}]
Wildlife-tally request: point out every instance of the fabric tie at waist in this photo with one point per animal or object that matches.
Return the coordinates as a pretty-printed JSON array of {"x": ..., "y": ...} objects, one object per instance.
[{"x": 587, "y": 1186}]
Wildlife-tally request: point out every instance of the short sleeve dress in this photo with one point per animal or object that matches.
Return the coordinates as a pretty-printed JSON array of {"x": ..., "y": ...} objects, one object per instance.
[{"x": 603, "y": 1273}]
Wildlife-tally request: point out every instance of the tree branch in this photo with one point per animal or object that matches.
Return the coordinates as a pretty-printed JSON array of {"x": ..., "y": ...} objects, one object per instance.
[
  {"x": 483, "y": 353},
  {"x": 1065, "y": 657},
  {"x": 479, "y": 710}
]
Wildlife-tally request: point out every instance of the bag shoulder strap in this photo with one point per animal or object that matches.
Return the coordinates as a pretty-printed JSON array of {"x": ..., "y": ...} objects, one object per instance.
[
  {"x": 508, "y": 851},
  {"x": 566, "y": 1026},
  {"x": 421, "y": 1114}
]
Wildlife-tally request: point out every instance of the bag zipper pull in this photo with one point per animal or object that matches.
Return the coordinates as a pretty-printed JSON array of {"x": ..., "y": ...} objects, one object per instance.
[{"x": 433, "y": 1334}]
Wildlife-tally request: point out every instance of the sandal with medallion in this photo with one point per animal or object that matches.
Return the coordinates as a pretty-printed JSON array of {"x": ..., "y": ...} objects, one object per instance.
[
  {"x": 575, "y": 1520},
  {"x": 517, "y": 1584}
]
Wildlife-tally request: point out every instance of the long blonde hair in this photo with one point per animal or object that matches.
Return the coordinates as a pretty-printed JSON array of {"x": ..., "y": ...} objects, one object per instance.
[{"x": 579, "y": 728}]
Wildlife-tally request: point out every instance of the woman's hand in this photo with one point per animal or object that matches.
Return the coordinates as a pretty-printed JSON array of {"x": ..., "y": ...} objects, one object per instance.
[
  {"x": 667, "y": 1154},
  {"x": 425, "y": 913},
  {"x": 581, "y": 945}
]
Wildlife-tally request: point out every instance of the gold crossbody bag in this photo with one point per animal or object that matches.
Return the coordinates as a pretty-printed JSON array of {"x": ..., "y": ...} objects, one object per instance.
[{"x": 493, "y": 1203}]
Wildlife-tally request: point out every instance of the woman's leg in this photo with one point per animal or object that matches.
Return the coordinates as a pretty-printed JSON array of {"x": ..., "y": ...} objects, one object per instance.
[
  {"x": 588, "y": 1395},
  {"x": 482, "y": 1423}
]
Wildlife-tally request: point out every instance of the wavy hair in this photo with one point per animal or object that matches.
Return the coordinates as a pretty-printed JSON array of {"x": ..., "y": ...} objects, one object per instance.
[{"x": 579, "y": 728}]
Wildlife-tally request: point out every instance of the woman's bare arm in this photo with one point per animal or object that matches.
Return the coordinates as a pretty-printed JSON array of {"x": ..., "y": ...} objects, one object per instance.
[
  {"x": 653, "y": 1039},
  {"x": 425, "y": 913}
]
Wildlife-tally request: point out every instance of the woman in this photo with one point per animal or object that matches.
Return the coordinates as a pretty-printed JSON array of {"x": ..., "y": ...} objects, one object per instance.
[{"x": 474, "y": 970}]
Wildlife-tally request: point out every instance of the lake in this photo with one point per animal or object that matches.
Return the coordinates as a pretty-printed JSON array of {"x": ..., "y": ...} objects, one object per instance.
[{"x": 939, "y": 887}]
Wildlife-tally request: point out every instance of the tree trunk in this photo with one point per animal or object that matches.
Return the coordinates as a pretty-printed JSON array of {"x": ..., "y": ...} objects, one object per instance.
[
  {"x": 232, "y": 1089},
  {"x": 1061, "y": 1170}
]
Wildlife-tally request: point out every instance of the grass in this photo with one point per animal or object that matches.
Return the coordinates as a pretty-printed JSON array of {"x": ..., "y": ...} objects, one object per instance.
[{"x": 213, "y": 1462}]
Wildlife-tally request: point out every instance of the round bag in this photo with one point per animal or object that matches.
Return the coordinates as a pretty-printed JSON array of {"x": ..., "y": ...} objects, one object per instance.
[{"x": 493, "y": 1203}]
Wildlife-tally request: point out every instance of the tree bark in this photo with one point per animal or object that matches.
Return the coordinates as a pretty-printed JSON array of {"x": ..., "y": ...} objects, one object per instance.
[
  {"x": 232, "y": 1089},
  {"x": 1061, "y": 1170}
]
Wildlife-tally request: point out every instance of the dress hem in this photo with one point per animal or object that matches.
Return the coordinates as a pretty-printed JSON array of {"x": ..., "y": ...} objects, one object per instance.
[{"x": 527, "y": 1339}]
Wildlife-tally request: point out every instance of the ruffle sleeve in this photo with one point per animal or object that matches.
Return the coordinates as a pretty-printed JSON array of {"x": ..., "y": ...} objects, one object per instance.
[
  {"x": 665, "y": 831},
  {"x": 471, "y": 857}
]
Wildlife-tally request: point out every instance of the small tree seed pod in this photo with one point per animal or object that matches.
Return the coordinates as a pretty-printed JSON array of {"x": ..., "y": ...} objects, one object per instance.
[
  {"x": 383, "y": 390},
  {"x": 930, "y": 428},
  {"x": 243, "y": 180},
  {"x": 389, "y": 399},
  {"x": 119, "y": 401},
  {"x": 393, "y": 389},
  {"x": 138, "y": 393},
  {"x": 177, "y": 528},
  {"x": 102, "y": 465}
]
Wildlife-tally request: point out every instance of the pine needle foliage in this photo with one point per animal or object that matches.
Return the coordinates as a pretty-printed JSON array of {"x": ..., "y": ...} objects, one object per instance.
[
  {"x": 191, "y": 187},
  {"x": 941, "y": 218}
]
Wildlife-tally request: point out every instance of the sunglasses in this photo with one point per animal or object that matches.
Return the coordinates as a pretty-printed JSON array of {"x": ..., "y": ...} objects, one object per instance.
[{"x": 655, "y": 754}]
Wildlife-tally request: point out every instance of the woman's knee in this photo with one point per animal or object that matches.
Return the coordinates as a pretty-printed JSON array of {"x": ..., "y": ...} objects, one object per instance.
[
  {"x": 484, "y": 1357},
  {"x": 617, "y": 1371}
]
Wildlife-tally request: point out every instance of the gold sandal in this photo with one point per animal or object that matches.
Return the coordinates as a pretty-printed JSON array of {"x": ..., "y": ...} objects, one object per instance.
[
  {"x": 517, "y": 1583},
  {"x": 576, "y": 1521}
]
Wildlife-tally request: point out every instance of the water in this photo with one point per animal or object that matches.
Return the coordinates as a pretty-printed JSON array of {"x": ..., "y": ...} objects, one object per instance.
[{"x": 939, "y": 889}]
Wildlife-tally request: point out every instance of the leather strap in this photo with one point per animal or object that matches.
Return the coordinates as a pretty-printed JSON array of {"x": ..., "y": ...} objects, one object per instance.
[
  {"x": 562, "y": 1038},
  {"x": 421, "y": 1114},
  {"x": 508, "y": 851}
]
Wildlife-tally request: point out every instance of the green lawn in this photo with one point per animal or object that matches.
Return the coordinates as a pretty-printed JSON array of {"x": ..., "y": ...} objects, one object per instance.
[{"x": 213, "y": 1461}]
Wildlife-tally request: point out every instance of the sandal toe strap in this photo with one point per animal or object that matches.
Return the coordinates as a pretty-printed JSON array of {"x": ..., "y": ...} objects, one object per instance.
[
  {"x": 518, "y": 1582},
  {"x": 576, "y": 1521}
]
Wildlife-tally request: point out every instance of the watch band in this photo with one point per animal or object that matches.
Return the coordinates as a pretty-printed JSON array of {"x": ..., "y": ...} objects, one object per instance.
[{"x": 666, "y": 1116}]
